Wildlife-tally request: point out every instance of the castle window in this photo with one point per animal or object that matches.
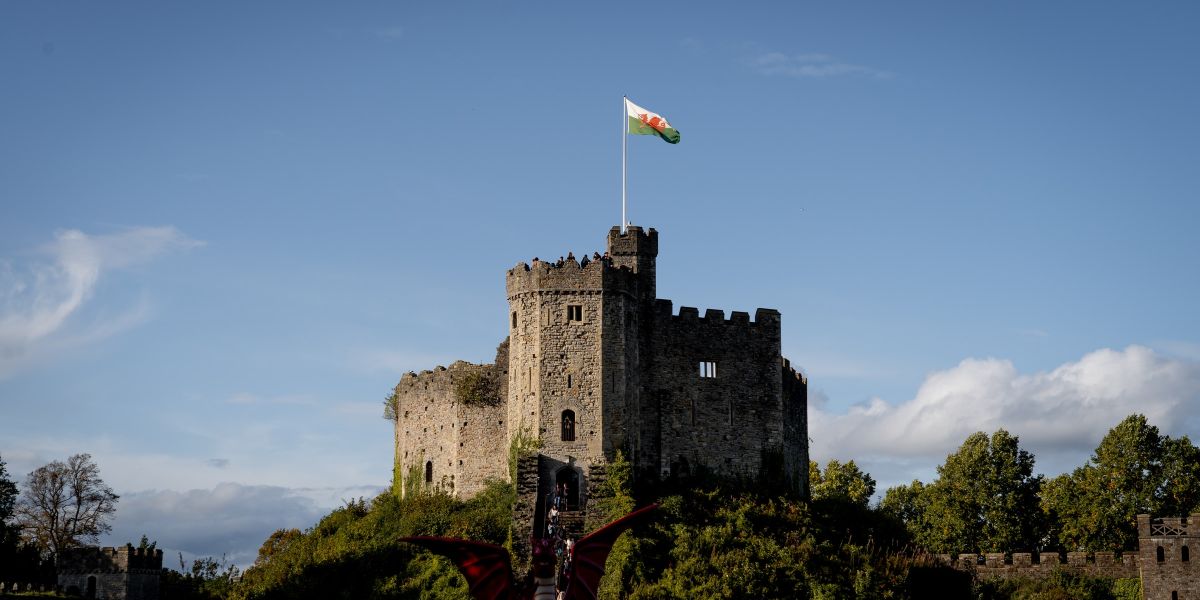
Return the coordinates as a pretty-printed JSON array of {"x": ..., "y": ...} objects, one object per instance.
[
  {"x": 708, "y": 369},
  {"x": 514, "y": 319},
  {"x": 568, "y": 380},
  {"x": 731, "y": 412},
  {"x": 568, "y": 426},
  {"x": 429, "y": 471},
  {"x": 1184, "y": 554},
  {"x": 574, "y": 312},
  {"x": 1161, "y": 555}
]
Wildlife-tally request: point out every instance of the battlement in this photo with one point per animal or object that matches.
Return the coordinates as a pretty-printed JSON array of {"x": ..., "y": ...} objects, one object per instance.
[
  {"x": 571, "y": 276},
  {"x": 1168, "y": 527},
  {"x": 109, "y": 560},
  {"x": 633, "y": 241},
  {"x": 993, "y": 565},
  {"x": 716, "y": 317}
]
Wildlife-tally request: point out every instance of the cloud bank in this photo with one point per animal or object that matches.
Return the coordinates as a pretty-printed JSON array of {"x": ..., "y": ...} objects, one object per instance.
[
  {"x": 38, "y": 298},
  {"x": 1060, "y": 415},
  {"x": 230, "y": 519}
]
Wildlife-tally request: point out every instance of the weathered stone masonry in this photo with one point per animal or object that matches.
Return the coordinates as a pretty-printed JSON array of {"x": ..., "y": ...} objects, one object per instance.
[
  {"x": 1163, "y": 560},
  {"x": 595, "y": 363},
  {"x": 124, "y": 573}
]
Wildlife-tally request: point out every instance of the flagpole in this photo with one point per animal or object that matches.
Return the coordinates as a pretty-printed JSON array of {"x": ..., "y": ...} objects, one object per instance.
[{"x": 624, "y": 141}]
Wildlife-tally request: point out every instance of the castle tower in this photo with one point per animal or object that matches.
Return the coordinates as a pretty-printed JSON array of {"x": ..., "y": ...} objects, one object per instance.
[
  {"x": 573, "y": 356},
  {"x": 1166, "y": 547}
]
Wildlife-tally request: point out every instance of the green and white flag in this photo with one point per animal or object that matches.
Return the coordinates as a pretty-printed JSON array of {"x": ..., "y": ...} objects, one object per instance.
[{"x": 644, "y": 122}]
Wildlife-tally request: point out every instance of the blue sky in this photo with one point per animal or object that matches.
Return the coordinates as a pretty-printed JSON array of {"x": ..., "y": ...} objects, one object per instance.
[{"x": 227, "y": 229}]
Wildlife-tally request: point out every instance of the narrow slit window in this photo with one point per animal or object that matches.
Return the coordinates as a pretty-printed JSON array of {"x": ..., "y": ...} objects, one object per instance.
[
  {"x": 1160, "y": 555},
  {"x": 1185, "y": 555},
  {"x": 514, "y": 319},
  {"x": 731, "y": 412},
  {"x": 693, "y": 412},
  {"x": 708, "y": 369},
  {"x": 568, "y": 426},
  {"x": 574, "y": 312},
  {"x": 429, "y": 471},
  {"x": 569, "y": 380}
]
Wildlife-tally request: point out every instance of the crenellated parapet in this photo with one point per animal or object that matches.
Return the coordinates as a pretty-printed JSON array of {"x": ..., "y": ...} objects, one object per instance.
[
  {"x": 122, "y": 559},
  {"x": 596, "y": 276},
  {"x": 764, "y": 318},
  {"x": 999, "y": 565}
]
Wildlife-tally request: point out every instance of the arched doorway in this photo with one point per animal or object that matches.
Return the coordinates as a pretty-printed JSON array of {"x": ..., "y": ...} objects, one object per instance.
[
  {"x": 569, "y": 477},
  {"x": 91, "y": 587}
]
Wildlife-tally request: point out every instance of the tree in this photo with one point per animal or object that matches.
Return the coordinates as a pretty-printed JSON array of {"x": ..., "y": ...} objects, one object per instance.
[
  {"x": 65, "y": 504},
  {"x": 845, "y": 482},
  {"x": 985, "y": 499},
  {"x": 8, "y": 497},
  {"x": 1134, "y": 470}
]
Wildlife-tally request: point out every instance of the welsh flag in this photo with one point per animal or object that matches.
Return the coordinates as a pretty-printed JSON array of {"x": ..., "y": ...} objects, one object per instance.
[{"x": 644, "y": 122}]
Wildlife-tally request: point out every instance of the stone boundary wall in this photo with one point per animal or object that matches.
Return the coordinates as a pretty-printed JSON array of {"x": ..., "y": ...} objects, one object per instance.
[{"x": 998, "y": 565}]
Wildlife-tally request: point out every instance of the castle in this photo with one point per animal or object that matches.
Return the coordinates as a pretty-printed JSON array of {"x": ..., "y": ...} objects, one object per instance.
[
  {"x": 125, "y": 573},
  {"x": 594, "y": 363}
]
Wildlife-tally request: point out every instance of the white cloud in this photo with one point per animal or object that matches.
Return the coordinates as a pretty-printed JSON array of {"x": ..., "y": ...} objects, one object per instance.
[
  {"x": 810, "y": 65},
  {"x": 1059, "y": 415},
  {"x": 38, "y": 299}
]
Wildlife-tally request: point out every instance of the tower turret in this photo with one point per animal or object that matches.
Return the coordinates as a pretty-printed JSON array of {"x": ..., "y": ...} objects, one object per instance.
[{"x": 637, "y": 250}]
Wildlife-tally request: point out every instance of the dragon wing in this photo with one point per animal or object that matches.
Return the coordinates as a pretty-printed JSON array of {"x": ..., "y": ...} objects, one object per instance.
[
  {"x": 486, "y": 567},
  {"x": 591, "y": 551}
]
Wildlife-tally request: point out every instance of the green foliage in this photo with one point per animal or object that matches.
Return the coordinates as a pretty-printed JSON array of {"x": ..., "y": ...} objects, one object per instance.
[
  {"x": 1059, "y": 585},
  {"x": 840, "y": 481},
  {"x": 19, "y": 561},
  {"x": 477, "y": 388},
  {"x": 354, "y": 551},
  {"x": 985, "y": 499},
  {"x": 1127, "y": 588},
  {"x": 1134, "y": 470},
  {"x": 523, "y": 443},
  {"x": 390, "y": 405}
]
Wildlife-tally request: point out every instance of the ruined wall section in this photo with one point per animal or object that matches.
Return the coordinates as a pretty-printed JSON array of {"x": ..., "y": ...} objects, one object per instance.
[
  {"x": 1166, "y": 552},
  {"x": 444, "y": 443},
  {"x": 728, "y": 422}
]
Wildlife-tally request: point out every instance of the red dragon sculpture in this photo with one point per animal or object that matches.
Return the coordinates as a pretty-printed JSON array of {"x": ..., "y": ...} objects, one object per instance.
[{"x": 488, "y": 568}]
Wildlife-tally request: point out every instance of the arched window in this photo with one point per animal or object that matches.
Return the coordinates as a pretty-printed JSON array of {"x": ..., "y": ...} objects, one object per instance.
[
  {"x": 1185, "y": 554},
  {"x": 568, "y": 426},
  {"x": 429, "y": 471},
  {"x": 1161, "y": 555},
  {"x": 731, "y": 412}
]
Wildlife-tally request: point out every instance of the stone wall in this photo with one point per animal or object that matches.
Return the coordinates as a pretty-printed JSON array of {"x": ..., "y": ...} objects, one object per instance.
[
  {"x": 726, "y": 422},
  {"x": 1166, "y": 549},
  {"x": 1034, "y": 565},
  {"x": 443, "y": 442}
]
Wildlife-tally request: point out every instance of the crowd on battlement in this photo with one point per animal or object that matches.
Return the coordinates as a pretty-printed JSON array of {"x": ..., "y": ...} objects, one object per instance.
[{"x": 569, "y": 259}]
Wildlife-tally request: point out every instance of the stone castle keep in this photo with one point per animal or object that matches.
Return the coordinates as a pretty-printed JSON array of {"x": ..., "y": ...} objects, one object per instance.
[{"x": 594, "y": 363}]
